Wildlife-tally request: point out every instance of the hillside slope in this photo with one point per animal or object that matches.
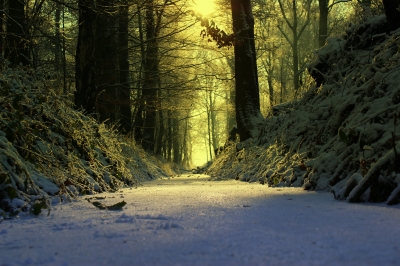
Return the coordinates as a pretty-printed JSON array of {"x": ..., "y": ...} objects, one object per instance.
[
  {"x": 50, "y": 151},
  {"x": 342, "y": 135}
]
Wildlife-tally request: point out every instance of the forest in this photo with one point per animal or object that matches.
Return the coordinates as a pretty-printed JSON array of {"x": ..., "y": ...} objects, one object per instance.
[{"x": 100, "y": 94}]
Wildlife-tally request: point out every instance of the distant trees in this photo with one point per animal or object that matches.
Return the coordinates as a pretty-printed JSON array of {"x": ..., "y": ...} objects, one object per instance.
[
  {"x": 146, "y": 114},
  {"x": 297, "y": 16},
  {"x": 134, "y": 63}
]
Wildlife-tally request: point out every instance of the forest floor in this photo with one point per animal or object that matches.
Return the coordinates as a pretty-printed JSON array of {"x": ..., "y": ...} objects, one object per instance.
[{"x": 189, "y": 220}]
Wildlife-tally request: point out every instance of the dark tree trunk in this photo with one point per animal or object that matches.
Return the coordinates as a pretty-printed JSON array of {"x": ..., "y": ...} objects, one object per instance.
[
  {"x": 2, "y": 29},
  {"x": 296, "y": 76},
  {"x": 107, "y": 62},
  {"x": 57, "y": 39},
  {"x": 150, "y": 83},
  {"x": 323, "y": 22},
  {"x": 125, "y": 91},
  {"x": 295, "y": 47},
  {"x": 16, "y": 50},
  {"x": 270, "y": 89},
  {"x": 170, "y": 136},
  {"x": 147, "y": 110},
  {"x": 392, "y": 11},
  {"x": 175, "y": 141},
  {"x": 161, "y": 129},
  {"x": 160, "y": 133},
  {"x": 231, "y": 120},
  {"x": 139, "y": 106},
  {"x": 246, "y": 77},
  {"x": 85, "y": 76}
]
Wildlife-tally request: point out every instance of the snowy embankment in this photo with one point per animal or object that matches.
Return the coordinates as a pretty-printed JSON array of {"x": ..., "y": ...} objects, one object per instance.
[
  {"x": 343, "y": 134},
  {"x": 192, "y": 221},
  {"x": 49, "y": 149}
]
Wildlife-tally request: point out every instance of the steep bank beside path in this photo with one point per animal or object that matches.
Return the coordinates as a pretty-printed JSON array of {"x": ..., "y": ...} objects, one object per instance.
[{"x": 189, "y": 220}]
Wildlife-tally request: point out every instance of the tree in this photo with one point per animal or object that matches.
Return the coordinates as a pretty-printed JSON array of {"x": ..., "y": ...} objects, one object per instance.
[
  {"x": 16, "y": 50},
  {"x": 247, "y": 98},
  {"x": 323, "y": 22},
  {"x": 86, "y": 94},
  {"x": 325, "y": 6},
  {"x": 146, "y": 116},
  {"x": 106, "y": 56},
  {"x": 125, "y": 90},
  {"x": 297, "y": 15},
  {"x": 247, "y": 95},
  {"x": 392, "y": 11},
  {"x": 2, "y": 28}
]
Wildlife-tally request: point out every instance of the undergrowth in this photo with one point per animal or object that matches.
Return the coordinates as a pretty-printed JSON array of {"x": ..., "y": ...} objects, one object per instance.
[
  {"x": 49, "y": 149},
  {"x": 343, "y": 134}
]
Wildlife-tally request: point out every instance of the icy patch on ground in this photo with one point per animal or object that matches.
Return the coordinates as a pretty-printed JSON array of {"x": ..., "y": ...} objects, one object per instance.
[{"x": 192, "y": 221}]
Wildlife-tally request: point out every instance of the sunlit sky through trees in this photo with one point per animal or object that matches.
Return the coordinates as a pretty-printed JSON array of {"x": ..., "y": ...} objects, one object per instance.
[{"x": 205, "y": 7}]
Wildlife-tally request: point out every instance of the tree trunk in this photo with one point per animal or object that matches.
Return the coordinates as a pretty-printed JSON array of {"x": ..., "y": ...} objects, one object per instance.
[
  {"x": 295, "y": 47},
  {"x": 170, "y": 136},
  {"x": 160, "y": 133},
  {"x": 213, "y": 121},
  {"x": 231, "y": 120},
  {"x": 139, "y": 106},
  {"x": 85, "y": 76},
  {"x": 392, "y": 11},
  {"x": 2, "y": 29},
  {"x": 246, "y": 77},
  {"x": 57, "y": 39},
  {"x": 125, "y": 90},
  {"x": 16, "y": 50},
  {"x": 323, "y": 22},
  {"x": 175, "y": 141},
  {"x": 210, "y": 145},
  {"x": 147, "y": 111},
  {"x": 107, "y": 62},
  {"x": 295, "y": 55},
  {"x": 271, "y": 88}
]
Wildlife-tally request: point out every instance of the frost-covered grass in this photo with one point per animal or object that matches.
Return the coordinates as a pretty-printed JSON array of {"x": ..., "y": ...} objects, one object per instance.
[
  {"x": 343, "y": 134},
  {"x": 48, "y": 149}
]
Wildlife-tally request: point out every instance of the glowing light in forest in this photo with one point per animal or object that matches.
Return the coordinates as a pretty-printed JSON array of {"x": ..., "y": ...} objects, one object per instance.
[{"x": 205, "y": 7}]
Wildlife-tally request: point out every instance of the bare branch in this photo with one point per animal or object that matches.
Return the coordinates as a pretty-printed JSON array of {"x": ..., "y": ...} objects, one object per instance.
[{"x": 284, "y": 15}]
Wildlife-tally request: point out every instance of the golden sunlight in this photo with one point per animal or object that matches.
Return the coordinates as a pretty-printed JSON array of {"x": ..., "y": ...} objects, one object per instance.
[{"x": 204, "y": 7}]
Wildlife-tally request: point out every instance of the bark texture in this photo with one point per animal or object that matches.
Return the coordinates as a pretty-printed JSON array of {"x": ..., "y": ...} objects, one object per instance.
[
  {"x": 85, "y": 95},
  {"x": 323, "y": 22},
  {"x": 246, "y": 77},
  {"x": 16, "y": 50},
  {"x": 125, "y": 90}
]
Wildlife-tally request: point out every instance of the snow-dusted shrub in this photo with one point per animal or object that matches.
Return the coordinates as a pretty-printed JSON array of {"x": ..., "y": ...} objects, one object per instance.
[
  {"x": 49, "y": 149},
  {"x": 343, "y": 134}
]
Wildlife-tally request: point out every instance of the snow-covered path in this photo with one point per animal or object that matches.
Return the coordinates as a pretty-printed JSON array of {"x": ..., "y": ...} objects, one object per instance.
[{"x": 191, "y": 221}]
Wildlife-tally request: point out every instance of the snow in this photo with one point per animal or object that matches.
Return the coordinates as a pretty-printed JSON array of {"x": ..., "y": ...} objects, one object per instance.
[
  {"x": 48, "y": 148},
  {"x": 354, "y": 103},
  {"x": 189, "y": 220}
]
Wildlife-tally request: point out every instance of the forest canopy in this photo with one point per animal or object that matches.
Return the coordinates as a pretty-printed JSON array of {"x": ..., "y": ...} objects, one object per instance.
[{"x": 142, "y": 66}]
